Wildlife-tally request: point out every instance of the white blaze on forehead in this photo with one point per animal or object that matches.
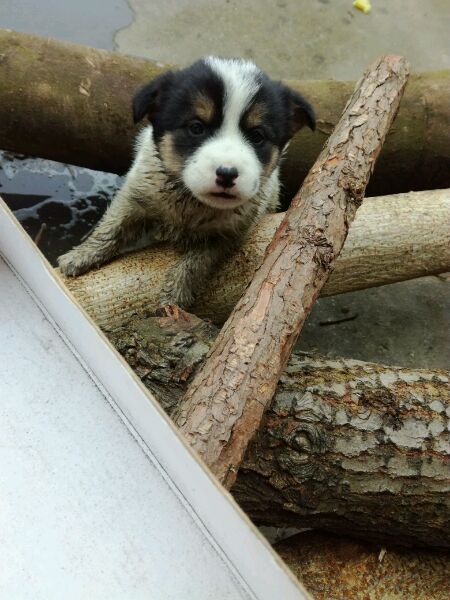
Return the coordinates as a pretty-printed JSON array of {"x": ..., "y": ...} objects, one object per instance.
[
  {"x": 241, "y": 82},
  {"x": 228, "y": 146}
]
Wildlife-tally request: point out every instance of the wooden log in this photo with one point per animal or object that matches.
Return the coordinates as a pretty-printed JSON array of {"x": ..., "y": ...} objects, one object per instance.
[
  {"x": 68, "y": 102},
  {"x": 364, "y": 443},
  {"x": 346, "y": 446},
  {"x": 223, "y": 406},
  {"x": 392, "y": 238},
  {"x": 72, "y": 103},
  {"x": 337, "y": 568}
]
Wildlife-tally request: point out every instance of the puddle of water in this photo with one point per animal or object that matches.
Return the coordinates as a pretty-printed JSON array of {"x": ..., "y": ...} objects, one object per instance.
[{"x": 56, "y": 204}]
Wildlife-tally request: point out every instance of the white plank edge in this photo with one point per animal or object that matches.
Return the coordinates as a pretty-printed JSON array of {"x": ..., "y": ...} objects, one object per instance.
[{"x": 249, "y": 555}]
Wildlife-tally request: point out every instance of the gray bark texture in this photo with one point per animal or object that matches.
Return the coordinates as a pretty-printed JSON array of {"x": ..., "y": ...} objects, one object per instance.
[
  {"x": 224, "y": 403},
  {"x": 346, "y": 446},
  {"x": 72, "y": 103},
  {"x": 392, "y": 238}
]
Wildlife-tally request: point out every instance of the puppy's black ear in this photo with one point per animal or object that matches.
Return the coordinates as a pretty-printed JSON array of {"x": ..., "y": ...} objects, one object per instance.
[
  {"x": 301, "y": 112},
  {"x": 147, "y": 100}
]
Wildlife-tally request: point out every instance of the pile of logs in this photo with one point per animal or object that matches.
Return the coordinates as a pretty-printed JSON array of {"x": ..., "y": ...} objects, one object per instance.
[
  {"x": 339, "y": 445},
  {"x": 346, "y": 446}
]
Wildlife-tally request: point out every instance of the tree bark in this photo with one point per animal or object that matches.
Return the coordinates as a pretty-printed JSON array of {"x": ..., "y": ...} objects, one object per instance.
[
  {"x": 72, "y": 103},
  {"x": 366, "y": 453},
  {"x": 346, "y": 446},
  {"x": 224, "y": 404},
  {"x": 341, "y": 569},
  {"x": 392, "y": 238}
]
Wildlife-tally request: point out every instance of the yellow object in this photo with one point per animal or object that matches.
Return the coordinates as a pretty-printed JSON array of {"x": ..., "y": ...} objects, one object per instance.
[{"x": 363, "y": 5}]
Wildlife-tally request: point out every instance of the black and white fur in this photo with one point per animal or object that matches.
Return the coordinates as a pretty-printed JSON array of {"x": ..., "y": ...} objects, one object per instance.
[{"x": 205, "y": 170}]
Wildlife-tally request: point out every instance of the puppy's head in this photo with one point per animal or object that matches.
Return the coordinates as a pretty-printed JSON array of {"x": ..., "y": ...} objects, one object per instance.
[{"x": 221, "y": 126}]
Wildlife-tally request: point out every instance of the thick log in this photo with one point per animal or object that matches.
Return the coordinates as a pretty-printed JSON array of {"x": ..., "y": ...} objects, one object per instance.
[
  {"x": 339, "y": 569},
  {"x": 351, "y": 447},
  {"x": 68, "y": 102},
  {"x": 72, "y": 103},
  {"x": 223, "y": 406},
  {"x": 392, "y": 238}
]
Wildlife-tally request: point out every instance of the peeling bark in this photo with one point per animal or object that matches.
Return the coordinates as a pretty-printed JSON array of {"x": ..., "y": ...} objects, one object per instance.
[
  {"x": 392, "y": 238},
  {"x": 364, "y": 450},
  {"x": 72, "y": 103},
  {"x": 345, "y": 446},
  {"x": 225, "y": 402}
]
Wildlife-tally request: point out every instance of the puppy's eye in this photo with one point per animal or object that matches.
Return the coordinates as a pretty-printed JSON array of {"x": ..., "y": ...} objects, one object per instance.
[
  {"x": 256, "y": 136},
  {"x": 196, "y": 128}
]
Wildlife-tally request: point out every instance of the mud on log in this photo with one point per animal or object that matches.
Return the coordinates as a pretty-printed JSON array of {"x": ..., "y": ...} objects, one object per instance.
[
  {"x": 345, "y": 446},
  {"x": 71, "y": 103},
  {"x": 392, "y": 238}
]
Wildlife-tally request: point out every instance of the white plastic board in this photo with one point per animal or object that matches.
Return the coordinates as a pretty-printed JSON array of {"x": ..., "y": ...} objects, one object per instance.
[{"x": 99, "y": 496}]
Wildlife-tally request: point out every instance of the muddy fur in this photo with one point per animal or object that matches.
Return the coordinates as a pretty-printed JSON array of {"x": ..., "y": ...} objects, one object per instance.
[{"x": 174, "y": 190}]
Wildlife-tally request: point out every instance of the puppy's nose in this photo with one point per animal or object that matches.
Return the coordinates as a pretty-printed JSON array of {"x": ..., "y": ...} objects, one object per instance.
[{"x": 226, "y": 176}]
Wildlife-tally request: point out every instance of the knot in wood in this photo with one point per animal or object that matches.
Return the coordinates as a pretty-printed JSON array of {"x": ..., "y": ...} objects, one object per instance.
[
  {"x": 314, "y": 236},
  {"x": 324, "y": 256},
  {"x": 353, "y": 187},
  {"x": 296, "y": 464},
  {"x": 297, "y": 456},
  {"x": 308, "y": 438},
  {"x": 324, "y": 253}
]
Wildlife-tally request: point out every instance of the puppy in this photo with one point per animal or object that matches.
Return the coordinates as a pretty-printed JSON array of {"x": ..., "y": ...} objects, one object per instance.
[{"x": 205, "y": 170}]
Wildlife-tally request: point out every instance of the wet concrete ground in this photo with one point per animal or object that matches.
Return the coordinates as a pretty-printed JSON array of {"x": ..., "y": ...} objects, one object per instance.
[
  {"x": 406, "y": 323},
  {"x": 302, "y": 39},
  {"x": 91, "y": 22}
]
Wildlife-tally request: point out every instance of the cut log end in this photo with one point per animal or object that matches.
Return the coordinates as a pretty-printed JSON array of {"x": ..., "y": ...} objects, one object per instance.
[{"x": 342, "y": 568}]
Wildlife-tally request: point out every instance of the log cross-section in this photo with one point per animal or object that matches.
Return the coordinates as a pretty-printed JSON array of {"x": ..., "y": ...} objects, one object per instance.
[{"x": 224, "y": 404}]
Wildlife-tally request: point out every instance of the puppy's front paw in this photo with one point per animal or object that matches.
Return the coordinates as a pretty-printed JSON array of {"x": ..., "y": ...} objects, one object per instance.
[
  {"x": 174, "y": 293},
  {"x": 169, "y": 297},
  {"x": 74, "y": 263}
]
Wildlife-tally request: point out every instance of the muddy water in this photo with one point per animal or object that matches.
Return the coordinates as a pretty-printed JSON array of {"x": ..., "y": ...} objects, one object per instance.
[{"x": 57, "y": 204}]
